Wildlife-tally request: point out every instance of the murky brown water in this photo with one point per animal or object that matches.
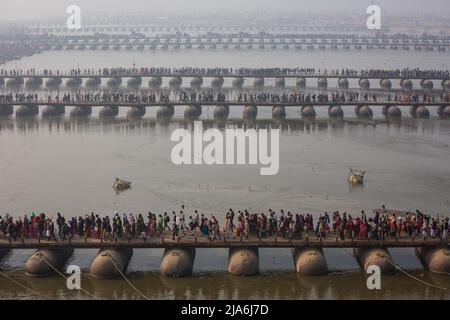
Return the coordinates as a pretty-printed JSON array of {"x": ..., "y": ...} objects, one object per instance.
[
  {"x": 69, "y": 166},
  {"x": 273, "y": 285}
]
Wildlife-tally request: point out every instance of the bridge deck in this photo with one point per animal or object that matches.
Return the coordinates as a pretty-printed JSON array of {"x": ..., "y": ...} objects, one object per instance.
[
  {"x": 228, "y": 103},
  {"x": 231, "y": 35},
  {"x": 203, "y": 242},
  {"x": 350, "y": 43},
  {"x": 231, "y": 75}
]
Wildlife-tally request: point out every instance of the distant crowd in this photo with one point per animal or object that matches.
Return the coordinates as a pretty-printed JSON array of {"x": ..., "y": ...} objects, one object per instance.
[
  {"x": 224, "y": 71},
  {"x": 214, "y": 97}
]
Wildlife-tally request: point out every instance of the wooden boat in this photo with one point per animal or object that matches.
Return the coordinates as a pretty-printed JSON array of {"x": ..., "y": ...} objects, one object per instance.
[
  {"x": 356, "y": 176},
  {"x": 121, "y": 184}
]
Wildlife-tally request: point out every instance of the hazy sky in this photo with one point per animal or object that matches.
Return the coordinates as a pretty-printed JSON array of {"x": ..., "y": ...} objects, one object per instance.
[{"x": 29, "y": 9}]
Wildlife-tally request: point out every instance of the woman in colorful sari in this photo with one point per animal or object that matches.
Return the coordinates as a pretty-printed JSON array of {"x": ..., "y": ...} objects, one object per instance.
[
  {"x": 362, "y": 234},
  {"x": 228, "y": 226},
  {"x": 160, "y": 225},
  {"x": 445, "y": 229},
  {"x": 204, "y": 228},
  {"x": 392, "y": 229},
  {"x": 96, "y": 232},
  {"x": 305, "y": 233},
  {"x": 240, "y": 227}
]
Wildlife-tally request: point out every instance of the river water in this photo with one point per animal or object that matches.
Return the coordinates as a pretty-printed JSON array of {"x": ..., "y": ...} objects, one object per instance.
[{"x": 69, "y": 166}]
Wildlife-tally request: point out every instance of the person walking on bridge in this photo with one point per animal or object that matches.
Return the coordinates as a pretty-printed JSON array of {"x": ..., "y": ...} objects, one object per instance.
[
  {"x": 166, "y": 221},
  {"x": 174, "y": 227}
]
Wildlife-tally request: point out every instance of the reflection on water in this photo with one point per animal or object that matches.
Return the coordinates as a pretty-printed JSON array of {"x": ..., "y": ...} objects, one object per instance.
[
  {"x": 34, "y": 124},
  {"x": 219, "y": 285}
]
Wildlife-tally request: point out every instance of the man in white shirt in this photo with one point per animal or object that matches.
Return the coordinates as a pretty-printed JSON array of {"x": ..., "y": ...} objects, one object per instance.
[
  {"x": 196, "y": 219},
  {"x": 182, "y": 222}
]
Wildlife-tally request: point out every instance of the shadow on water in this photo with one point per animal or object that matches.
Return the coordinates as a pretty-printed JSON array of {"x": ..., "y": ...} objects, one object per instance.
[
  {"x": 222, "y": 285},
  {"x": 355, "y": 188},
  {"x": 69, "y": 124}
]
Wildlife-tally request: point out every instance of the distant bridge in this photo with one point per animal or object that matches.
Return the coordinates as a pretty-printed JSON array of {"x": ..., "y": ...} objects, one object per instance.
[
  {"x": 234, "y": 41},
  {"x": 146, "y": 73},
  {"x": 222, "y": 108},
  {"x": 228, "y": 103},
  {"x": 133, "y": 27}
]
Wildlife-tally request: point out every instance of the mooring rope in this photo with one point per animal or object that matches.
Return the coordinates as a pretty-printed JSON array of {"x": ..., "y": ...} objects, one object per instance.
[
  {"x": 413, "y": 277},
  {"x": 406, "y": 273},
  {"x": 118, "y": 269},
  {"x": 62, "y": 275},
  {"x": 23, "y": 286}
]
